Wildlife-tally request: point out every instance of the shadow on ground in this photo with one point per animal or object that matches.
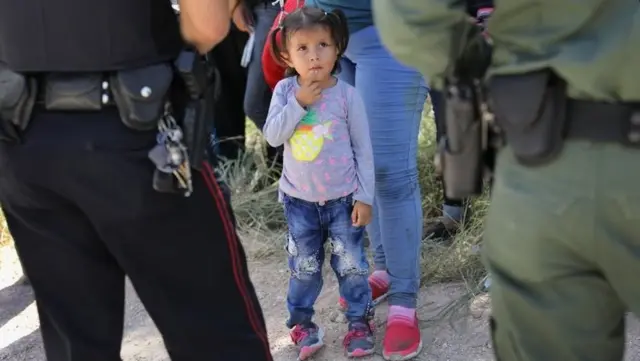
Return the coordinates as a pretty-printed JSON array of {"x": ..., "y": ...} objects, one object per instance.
[
  {"x": 14, "y": 299},
  {"x": 26, "y": 348}
]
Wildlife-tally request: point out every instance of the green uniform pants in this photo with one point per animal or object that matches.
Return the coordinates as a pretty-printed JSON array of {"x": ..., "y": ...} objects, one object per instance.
[{"x": 562, "y": 243}]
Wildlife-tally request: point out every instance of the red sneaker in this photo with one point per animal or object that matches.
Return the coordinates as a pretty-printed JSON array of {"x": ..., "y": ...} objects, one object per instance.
[
  {"x": 308, "y": 338},
  {"x": 378, "y": 293},
  {"x": 402, "y": 340}
]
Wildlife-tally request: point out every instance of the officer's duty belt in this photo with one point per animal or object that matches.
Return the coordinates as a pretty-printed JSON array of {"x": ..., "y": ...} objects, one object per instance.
[
  {"x": 84, "y": 92},
  {"x": 141, "y": 95},
  {"x": 603, "y": 122}
]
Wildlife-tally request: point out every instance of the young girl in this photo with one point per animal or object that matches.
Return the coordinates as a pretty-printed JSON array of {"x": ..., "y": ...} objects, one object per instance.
[{"x": 328, "y": 177}]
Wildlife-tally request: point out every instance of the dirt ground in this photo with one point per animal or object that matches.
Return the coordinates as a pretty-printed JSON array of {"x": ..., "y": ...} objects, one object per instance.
[{"x": 467, "y": 340}]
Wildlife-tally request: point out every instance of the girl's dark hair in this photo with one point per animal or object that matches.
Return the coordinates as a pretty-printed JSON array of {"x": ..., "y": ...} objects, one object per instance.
[{"x": 304, "y": 18}]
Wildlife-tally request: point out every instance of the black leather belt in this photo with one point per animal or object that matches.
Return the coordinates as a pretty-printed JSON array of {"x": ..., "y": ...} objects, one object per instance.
[
  {"x": 603, "y": 122},
  {"x": 90, "y": 91}
]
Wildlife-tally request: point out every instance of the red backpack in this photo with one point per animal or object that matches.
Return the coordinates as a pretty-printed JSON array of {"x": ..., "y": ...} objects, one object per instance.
[{"x": 274, "y": 72}]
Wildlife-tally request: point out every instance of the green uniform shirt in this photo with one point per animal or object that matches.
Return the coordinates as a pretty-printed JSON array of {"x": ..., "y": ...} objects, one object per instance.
[{"x": 593, "y": 44}]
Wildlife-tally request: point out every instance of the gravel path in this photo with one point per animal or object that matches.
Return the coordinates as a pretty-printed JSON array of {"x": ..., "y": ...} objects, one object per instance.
[{"x": 468, "y": 340}]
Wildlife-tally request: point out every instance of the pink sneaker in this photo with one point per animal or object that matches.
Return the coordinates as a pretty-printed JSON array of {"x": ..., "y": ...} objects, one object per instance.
[
  {"x": 402, "y": 340},
  {"x": 308, "y": 338}
]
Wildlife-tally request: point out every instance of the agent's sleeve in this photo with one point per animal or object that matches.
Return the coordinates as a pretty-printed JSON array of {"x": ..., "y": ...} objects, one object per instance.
[
  {"x": 425, "y": 34},
  {"x": 362, "y": 150},
  {"x": 284, "y": 115}
]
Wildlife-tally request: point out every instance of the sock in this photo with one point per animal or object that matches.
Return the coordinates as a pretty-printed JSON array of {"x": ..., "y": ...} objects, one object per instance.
[
  {"x": 452, "y": 212},
  {"x": 399, "y": 314},
  {"x": 379, "y": 279}
]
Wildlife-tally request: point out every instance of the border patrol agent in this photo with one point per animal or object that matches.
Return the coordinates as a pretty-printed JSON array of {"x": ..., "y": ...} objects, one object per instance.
[
  {"x": 562, "y": 235},
  {"x": 84, "y": 88}
]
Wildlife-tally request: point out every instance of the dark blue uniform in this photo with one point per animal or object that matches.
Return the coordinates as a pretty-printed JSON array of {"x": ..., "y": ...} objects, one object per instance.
[{"x": 76, "y": 190}]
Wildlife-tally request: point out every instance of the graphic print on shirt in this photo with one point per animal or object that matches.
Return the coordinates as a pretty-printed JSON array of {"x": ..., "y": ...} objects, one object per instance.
[{"x": 308, "y": 138}]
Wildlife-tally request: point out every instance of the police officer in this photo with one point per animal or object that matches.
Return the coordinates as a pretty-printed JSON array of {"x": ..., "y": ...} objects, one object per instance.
[
  {"x": 563, "y": 230},
  {"x": 83, "y": 86}
]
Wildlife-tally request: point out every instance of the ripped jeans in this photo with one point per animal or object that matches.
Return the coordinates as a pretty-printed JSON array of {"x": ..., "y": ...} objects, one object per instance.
[{"x": 311, "y": 225}]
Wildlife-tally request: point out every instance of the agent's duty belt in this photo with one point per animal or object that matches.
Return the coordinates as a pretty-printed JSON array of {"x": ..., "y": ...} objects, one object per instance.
[
  {"x": 529, "y": 113},
  {"x": 537, "y": 117},
  {"x": 603, "y": 122}
]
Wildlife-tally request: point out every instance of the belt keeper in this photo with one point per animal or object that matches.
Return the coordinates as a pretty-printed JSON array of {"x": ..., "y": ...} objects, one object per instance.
[{"x": 633, "y": 134}]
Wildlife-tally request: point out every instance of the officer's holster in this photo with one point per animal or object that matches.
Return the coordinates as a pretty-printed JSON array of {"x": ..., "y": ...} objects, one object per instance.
[
  {"x": 17, "y": 99},
  {"x": 531, "y": 110}
]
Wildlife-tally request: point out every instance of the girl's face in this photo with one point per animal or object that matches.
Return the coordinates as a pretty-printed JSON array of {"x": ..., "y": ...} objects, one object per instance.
[{"x": 312, "y": 53}]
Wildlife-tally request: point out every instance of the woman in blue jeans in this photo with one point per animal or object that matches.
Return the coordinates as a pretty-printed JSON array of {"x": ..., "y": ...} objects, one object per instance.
[{"x": 394, "y": 97}]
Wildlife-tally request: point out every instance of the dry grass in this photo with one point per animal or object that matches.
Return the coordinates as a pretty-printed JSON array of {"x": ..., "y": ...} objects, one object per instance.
[{"x": 5, "y": 236}]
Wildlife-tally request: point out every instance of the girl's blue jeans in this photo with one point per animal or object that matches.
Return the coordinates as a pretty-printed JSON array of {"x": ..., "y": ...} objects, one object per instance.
[
  {"x": 394, "y": 97},
  {"x": 311, "y": 225}
]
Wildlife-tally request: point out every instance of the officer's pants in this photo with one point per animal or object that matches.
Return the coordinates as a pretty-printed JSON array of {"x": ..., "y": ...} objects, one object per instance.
[
  {"x": 78, "y": 199},
  {"x": 562, "y": 243}
]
